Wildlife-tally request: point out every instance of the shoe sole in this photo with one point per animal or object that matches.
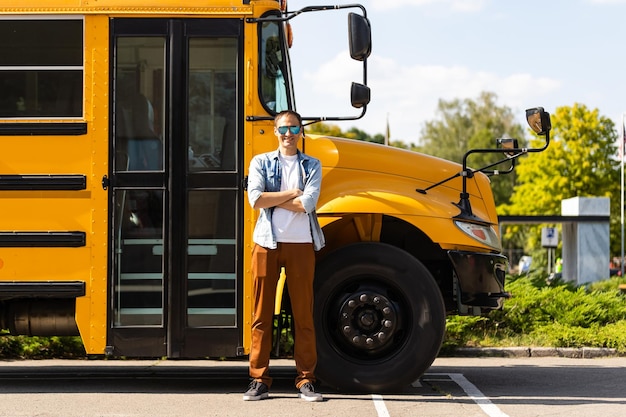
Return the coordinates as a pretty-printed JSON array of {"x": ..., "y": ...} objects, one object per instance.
[{"x": 263, "y": 396}]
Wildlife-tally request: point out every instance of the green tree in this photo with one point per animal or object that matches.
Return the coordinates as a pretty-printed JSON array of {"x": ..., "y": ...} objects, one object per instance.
[
  {"x": 402, "y": 145},
  {"x": 325, "y": 129},
  {"x": 352, "y": 133},
  {"x": 580, "y": 162},
  {"x": 329, "y": 129},
  {"x": 467, "y": 124}
]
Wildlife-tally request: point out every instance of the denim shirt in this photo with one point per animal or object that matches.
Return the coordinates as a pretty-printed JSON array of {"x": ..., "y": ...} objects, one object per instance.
[{"x": 265, "y": 175}]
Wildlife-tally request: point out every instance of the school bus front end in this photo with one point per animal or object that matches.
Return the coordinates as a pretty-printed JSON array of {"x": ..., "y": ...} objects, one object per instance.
[
  {"x": 410, "y": 239},
  {"x": 397, "y": 261}
]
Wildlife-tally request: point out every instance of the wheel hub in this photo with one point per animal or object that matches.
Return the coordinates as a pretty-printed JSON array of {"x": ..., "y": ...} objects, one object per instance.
[{"x": 368, "y": 320}]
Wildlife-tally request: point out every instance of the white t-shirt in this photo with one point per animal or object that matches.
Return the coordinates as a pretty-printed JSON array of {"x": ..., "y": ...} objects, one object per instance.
[{"x": 290, "y": 226}]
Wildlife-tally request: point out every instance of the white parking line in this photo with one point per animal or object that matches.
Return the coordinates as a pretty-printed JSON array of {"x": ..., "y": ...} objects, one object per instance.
[
  {"x": 470, "y": 389},
  {"x": 479, "y": 398},
  {"x": 381, "y": 408}
]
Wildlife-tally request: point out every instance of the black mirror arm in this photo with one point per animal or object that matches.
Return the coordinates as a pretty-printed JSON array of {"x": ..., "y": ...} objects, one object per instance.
[
  {"x": 468, "y": 173},
  {"x": 290, "y": 15},
  {"x": 464, "y": 203},
  {"x": 500, "y": 172},
  {"x": 538, "y": 120}
]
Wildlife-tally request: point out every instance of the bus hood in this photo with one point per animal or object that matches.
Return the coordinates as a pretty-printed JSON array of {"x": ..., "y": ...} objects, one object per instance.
[{"x": 376, "y": 178}]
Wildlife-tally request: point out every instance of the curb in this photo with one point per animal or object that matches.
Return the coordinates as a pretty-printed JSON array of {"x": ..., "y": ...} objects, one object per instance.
[{"x": 537, "y": 352}]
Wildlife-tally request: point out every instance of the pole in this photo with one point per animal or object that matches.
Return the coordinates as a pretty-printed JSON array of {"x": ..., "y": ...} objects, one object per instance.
[
  {"x": 549, "y": 261},
  {"x": 621, "y": 151},
  {"x": 387, "y": 132}
]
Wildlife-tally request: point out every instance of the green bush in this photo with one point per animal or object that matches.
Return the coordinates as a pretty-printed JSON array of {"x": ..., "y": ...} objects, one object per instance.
[
  {"x": 549, "y": 314},
  {"x": 12, "y": 347},
  {"x": 461, "y": 331}
]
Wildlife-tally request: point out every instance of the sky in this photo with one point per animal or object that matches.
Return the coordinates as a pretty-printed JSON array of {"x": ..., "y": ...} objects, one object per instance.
[{"x": 531, "y": 53}]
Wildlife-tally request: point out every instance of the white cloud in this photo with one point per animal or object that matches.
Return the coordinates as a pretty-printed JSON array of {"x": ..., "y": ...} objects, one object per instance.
[
  {"x": 467, "y": 5},
  {"x": 607, "y": 1},
  {"x": 454, "y": 5},
  {"x": 333, "y": 76},
  {"x": 408, "y": 95}
]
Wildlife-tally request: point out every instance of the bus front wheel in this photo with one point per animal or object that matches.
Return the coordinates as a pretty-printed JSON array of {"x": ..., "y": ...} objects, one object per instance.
[{"x": 379, "y": 316}]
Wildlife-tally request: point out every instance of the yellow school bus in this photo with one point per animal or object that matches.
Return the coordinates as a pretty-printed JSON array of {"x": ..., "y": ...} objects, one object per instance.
[{"x": 126, "y": 129}]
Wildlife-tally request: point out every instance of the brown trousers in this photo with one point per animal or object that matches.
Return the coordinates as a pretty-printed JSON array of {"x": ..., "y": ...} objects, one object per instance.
[{"x": 298, "y": 259}]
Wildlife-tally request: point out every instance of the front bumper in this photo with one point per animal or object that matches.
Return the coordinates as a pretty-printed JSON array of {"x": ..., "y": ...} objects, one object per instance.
[{"x": 480, "y": 278}]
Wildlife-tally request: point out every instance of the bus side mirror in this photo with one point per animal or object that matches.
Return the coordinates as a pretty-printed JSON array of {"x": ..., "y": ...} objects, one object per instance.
[
  {"x": 359, "y": 95},
  {"x": 360, "y": 36},
  {"x": 360, "y": 40},
  {"x": 539, "y": 120},
  {"x": 507, "y": 144}
]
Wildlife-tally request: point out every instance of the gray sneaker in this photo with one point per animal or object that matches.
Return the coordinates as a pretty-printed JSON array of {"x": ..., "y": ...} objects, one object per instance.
[
  {"x": 307, "y": 393},
  {"x": 256, "y": 391}
]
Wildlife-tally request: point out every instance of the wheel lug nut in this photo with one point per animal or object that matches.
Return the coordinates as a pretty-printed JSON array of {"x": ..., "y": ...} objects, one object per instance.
[
  {"x": 367, "y": 320},
  {"x": 356, "y": 340},
  {"x": 381, "y": 336},
  {"x": 346, "y": 329},
  {"x": 351, "y": 303},
  {"x": 376, "y": 300},
  {"x": 387, "y": 323},
  {"x": 386, "y": 310},
  {"x": 363, "y": 298}
]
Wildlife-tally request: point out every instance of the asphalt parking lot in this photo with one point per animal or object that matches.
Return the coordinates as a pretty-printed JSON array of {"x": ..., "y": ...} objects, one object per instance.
[{"x": 460, "y": 386}]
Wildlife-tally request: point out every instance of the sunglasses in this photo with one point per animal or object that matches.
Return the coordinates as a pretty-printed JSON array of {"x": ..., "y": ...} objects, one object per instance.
[{"x": 293, "y": 129}]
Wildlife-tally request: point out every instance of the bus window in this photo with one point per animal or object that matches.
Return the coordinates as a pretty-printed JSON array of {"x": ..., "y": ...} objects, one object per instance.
[
  {"x": 41, "y": 68},
  {"x": 212, "y": 103},
  {"x": 139, "y": 103},
  {"x": 274, "y": 92},
  {"x": 138, "y": 295},
  {"x": 211, "y": 251}
]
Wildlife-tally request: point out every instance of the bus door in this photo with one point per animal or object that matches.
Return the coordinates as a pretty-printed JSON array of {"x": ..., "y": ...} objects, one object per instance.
[{"x": 175, "y": 200}]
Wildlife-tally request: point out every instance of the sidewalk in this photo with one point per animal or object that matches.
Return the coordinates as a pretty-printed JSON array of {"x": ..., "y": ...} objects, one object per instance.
[
  {"x": 136, "y": 368},
  {"x": 236, "y": 368},
  {"x": 536, "y": 352},
  {"x": 229, "y": 370}
]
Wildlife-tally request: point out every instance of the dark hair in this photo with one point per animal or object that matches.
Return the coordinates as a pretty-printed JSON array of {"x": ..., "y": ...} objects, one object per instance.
[{"x": 289, "y": 113}]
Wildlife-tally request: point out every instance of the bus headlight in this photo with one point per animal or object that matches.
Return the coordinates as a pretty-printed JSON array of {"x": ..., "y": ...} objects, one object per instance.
[{"x": 483, "y": 233}]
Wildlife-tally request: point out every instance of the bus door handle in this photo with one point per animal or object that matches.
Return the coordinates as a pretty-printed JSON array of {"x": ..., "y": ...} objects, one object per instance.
[{"x": 105, "y": 182}]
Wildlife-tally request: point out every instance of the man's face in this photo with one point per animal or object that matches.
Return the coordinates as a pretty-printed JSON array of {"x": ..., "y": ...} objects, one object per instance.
[{"x": 288, "y": 141}]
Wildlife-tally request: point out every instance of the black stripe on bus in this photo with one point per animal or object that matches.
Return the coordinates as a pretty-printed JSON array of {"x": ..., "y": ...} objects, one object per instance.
[
  {"x": 42, "y": 239},
  {"x": 43, "y": 182},
  {"x": 43, "y": 129},
  {"x": 47, "y": 289}
]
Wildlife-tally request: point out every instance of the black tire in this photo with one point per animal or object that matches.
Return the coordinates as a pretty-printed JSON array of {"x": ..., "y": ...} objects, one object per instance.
[{"x": 380, "y": 319}]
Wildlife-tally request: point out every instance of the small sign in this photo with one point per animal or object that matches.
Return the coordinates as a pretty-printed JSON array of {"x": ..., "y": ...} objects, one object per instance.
[{"x": 549, "y": 237}]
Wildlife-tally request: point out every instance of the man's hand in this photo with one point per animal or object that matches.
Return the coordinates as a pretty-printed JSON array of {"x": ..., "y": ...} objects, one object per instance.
[
  {"x": 293, "y": 204},
  {"x": 278, "y": 198}
]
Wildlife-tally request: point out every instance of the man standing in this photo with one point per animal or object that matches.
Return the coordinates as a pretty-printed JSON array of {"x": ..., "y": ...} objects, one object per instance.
[{"x": 284, "y": 185}]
